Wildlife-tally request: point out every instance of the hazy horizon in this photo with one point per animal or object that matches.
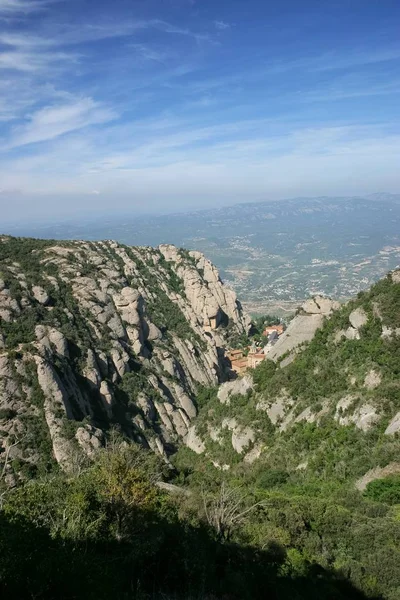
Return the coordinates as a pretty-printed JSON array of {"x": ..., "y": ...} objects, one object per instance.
[{"x": 22, "y": 225}]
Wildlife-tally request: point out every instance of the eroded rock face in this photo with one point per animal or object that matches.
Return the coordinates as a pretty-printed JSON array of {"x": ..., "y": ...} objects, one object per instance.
[
  {"x": 394, "y": 425},
  {"x": 363, "y": 416},
  {"x": 278, "y": 408},
  {"x": 212, "y": 303},
  {"x": 319, "y": 305},
  {"x": 194, "y": 442},
  {"x": 372, "y": 379},
  {"x": 130, "y": 335},
  {"x": 396, "y": 276},
  {"x": 241, "y": 438},
  {"x": 40, "y": 295},
  {"x": 90, "y": 439},
  {"x": 303, "y": 327},
  {"x": 238, "y": 386},
  {"x": 358, "y": 318}
]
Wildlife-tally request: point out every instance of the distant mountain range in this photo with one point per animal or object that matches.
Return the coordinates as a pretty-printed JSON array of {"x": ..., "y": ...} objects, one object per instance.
[{"x": 274, "y": 254}]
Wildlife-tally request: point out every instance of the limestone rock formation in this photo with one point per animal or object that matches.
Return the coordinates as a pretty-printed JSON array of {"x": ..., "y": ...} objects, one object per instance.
[
  {"x": 394, "y": 425},
  {"x": 303, "y": 327},
  {"x": 238, "y": 386},
  {"x": 194, "y": 442},
  {"x": 40, "y": 295},
  {"x": 108, "y": 333}
]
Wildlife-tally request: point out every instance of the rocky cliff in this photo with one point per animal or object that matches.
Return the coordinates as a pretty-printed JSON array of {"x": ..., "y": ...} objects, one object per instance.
[
  {"x": 309, "y": 318},
  {"x": 98, "y": 335},
  {"x": 327, "y": 398}
]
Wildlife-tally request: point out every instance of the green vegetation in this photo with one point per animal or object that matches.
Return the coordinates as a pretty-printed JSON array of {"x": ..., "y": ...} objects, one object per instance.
[
  {"x": 290, "y": 525},
  {"x": 25, "y": 251},
  {"x": 169, "y": 318},
  {"x": 110, "y": 532},
  {"x": 385, "y": 490},
  {"x": 304, "y": 481}
]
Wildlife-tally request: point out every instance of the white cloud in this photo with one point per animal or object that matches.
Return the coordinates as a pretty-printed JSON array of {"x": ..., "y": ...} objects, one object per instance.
[
  {"x": 183, "y": 133},
  {"x": 21, "y": 41},
  {"x": 302, "y": 161},
  {"x": 221, "y": 25},
  {"x": 53, "y": 121},
  {"x": 10, "y": 7},
  {"x": 33, "y": 62}
]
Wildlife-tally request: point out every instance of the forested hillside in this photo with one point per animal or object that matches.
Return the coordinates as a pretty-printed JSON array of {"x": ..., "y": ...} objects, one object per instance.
[
  {"x": 131, "y": 467},
  {"x": 343, "y": 385},
  {"x": 317, "y": 443}
]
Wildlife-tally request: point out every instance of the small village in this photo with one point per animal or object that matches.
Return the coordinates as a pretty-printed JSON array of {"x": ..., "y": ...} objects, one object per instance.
[{"x": 251, "y": 356}]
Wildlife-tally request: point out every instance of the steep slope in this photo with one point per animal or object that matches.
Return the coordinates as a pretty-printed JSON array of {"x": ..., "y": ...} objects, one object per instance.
[
  {"x": 96, "y": 335},
  {"x": 333, "y": 411},
  {"x": 302, "y": 328}
]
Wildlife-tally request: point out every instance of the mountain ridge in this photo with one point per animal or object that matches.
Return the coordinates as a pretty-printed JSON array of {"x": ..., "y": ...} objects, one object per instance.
[
  {"x": 132, "y": 465},
  {"x": 271, "y": 252},
  {"x": 100, "y": 334}
]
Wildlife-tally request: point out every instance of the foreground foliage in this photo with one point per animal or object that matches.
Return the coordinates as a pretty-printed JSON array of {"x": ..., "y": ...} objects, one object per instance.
[{"x": 111, "y": 532}]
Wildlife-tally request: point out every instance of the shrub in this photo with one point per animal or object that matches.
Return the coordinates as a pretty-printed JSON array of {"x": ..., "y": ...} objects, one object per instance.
[{"x": 384, "y": 490}]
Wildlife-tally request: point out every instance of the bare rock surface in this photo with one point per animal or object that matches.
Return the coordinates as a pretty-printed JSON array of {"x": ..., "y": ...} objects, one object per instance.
[
  {"x": 303, "y": 327},
  {"x": 358, "y": 318},
  {"x": 241, "y": 438},
  {"x": 131, "y": 336},
  {"x": 194, "y": 442},
  {"x": 40, "y": 295},
  {"x": 372, "y": 379},
  {"x": 238, "y": 386},
  {"x": 363, "y": 416},
  {"x": 90, "y": 439},
  {"x": 396, "y": 276},
  {"x": 277, "y": 408},
  {"x": 394, "y": 425}
]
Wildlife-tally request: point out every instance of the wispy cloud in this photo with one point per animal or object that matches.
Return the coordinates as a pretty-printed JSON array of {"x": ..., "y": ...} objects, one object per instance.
[
  {"x": 238, "y": 169},
  {"x": 222, "y": 25},
  {"x": 335, "y": 60},
  {"x": 185, "y": 31},
  {"x": 54, "y": 121},
  {"x": 12, "y": 7},
  {"x": 148, "y": 52},
  {"x": 24, "y": 40},
  {"x": 31, "y": 62},
  {"x": 32, "y": 53},
  {"x": 183, "y": 102},
  {"x": 354, "y": 89}
]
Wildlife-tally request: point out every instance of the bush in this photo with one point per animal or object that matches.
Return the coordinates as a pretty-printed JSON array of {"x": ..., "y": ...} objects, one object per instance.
[
  {"x": 270, "y": 479},
  {"x": 7, "y": 414},
  {"x": 384, "y": 490}
]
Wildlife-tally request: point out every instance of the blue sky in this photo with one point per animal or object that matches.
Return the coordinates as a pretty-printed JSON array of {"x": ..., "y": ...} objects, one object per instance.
[{"x": 158, "y": 105}]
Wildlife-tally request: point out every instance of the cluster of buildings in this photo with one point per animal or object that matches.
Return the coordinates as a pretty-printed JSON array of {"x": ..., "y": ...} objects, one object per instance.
[{"x": 253, "y": 355}]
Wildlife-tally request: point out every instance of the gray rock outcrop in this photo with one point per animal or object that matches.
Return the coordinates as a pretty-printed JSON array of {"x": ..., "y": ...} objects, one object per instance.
[
  {"x": 394, "y": 425},
  {"x": 130, "y": 336},
  {"x": 303, "y": 327},
  {"x": 238, "y": 386}
]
